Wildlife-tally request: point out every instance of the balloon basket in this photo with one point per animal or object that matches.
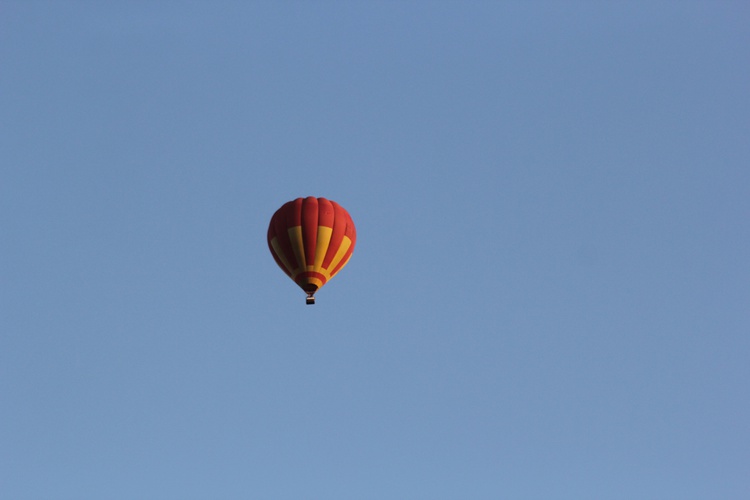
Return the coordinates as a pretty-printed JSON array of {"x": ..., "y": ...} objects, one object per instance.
[{"x": 310, "y": 300}]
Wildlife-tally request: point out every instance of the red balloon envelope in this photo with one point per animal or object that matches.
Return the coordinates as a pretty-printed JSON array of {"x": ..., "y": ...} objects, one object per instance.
[{"x": 311, "y": 239}]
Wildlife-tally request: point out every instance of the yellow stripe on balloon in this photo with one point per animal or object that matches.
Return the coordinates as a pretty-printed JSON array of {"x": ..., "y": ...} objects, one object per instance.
[
  {"x": 321, "y": 247},
  {"x": 345, "y": 244},
  {"x": 295, "y": 238},
  {"x": 280, "y": 254}
]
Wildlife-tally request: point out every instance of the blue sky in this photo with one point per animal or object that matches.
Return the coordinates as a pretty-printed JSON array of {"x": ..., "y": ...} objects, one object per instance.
[{"x": 549, "y": 295}]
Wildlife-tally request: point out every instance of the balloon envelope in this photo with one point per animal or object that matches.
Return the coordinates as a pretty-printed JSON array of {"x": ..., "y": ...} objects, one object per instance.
[{"x": 311, "y": 239}]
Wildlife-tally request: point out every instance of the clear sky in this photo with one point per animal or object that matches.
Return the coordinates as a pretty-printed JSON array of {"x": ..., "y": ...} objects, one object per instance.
[{"x": 550, "y": 294}]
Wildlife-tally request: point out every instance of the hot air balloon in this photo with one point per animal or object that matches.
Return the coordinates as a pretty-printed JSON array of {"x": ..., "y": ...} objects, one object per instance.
[{"x": 311, "y": 239}]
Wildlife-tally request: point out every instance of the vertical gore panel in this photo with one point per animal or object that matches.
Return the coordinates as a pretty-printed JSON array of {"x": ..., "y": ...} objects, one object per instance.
[
  {"x": 325, "y": 213},
  {"x": 335, "y": 265},
  {"x": 278, "y": 256},
  {"x": 349, "y": 239},
  {"x": 298, "y": 245},
  {"x": 347, "y": 247},
  {"x": 325, "y": 229},
  {"x": 337, "y": 235},
  {"x": 294, "y": 213},
  {"x": 310, "y": 228},
  {"x": 324, "y": 239},
  {"x": 278, "y": 261},
  {"x": 279, "y": 223},
  {"x": 292, "y": 219},
  {"x": 270, "y": 235}
]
